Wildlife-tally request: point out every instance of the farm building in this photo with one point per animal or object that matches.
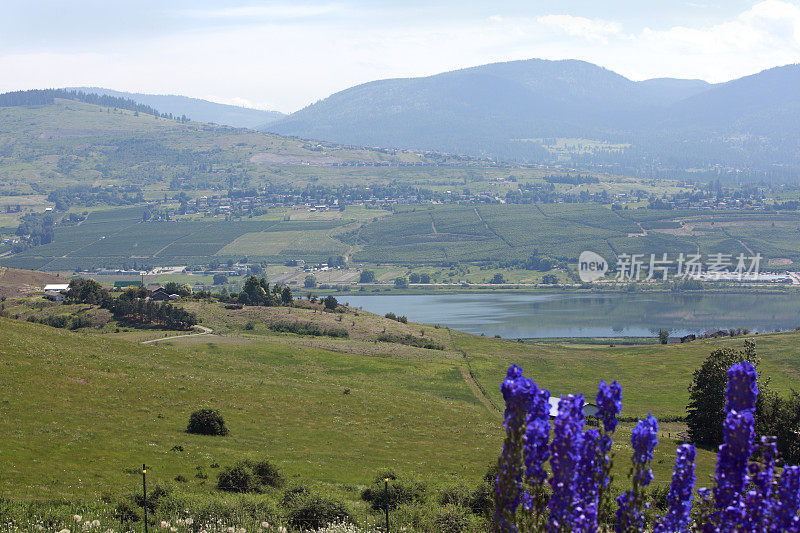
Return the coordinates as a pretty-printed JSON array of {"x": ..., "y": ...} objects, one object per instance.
[
  {"x": 589, "y": 409},
  {"x": 55, "y": 296},
  {"x": 56, "y": 287},
  {"x": 160, "y": 295}
]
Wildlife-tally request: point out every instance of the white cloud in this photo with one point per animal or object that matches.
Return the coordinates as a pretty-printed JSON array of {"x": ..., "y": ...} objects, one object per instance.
[
  {"x": 285, "y": 62},
  {"x": 590, "y": 29}
]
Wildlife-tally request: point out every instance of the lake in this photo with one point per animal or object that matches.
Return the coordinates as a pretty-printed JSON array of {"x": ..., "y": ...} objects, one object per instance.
[{"x": 518, "y": 315}]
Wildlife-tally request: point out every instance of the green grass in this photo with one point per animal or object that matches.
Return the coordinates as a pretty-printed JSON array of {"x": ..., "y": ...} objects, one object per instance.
[
  {"x": 81, "y": 409},
  {"x": 84, "y": 408}
]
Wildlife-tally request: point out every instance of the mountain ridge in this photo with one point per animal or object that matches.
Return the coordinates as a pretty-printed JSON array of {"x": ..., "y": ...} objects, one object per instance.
[
  {"x": 196, "y": 109},
  {"x": 487, "y": 110}
]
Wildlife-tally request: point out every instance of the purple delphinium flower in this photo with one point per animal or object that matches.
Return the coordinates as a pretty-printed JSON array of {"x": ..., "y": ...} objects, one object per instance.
[
  {"x": 758, "y": 499},
  {"x": 738, "y": 430},
  {"x": 587, "y": 487},
  {"x": 742, "y": 389},
  {"x": 644, "y": 437},
  {"x": 787, "y": 503},
  {"x": 537, "y": 435},
  {"x": 609, "y": 404},
  {"x": 517, "y": 391},
  {"x": 564, "y": 457},
  {"x": 678, "y": 515}
]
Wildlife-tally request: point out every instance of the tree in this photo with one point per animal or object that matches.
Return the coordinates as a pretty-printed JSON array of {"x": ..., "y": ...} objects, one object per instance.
[
  {"x": 663, "y": 336},
  {"x": 550, "y": 279},
  {"x": 706, "y": 410},
  {"x": 330, "y": 303},
  {"x": 400, "y": 283},
  {"x": 286, "y": 296},
  {"x": 366, "y": 276},
  {"x": 310, "y": 282},
  {"x": 181, "y": 289},
  {"x": 498, "y": 279},
  {"x": 220, "y": 279},
  {"x": 424, "y": 278},
  {"x": 413, "y": 277}
]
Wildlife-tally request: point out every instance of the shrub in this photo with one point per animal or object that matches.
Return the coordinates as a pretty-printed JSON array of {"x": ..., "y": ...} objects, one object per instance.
[
  {"x": 399, "y": 493},
  {"x": 247, "y": 476},
  {"x": 267, "y": 474},
  {"x": 451, "y": 520},
  {"x": 237, "y": 478},
  {"x": 207, "y": 422},
  {"x": 308, "y": 328},
  {"x": 316, "y": 512},
  {"x": 410, "y": 340}
]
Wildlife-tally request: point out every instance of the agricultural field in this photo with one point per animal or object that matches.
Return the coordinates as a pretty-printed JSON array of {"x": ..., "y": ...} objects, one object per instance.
[
  {"x": 116, "y": 237},
  {"x": 513, "y": 232}
]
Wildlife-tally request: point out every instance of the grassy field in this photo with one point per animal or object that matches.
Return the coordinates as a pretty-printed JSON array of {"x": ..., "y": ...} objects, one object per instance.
[{"x": 83, "y": 408}]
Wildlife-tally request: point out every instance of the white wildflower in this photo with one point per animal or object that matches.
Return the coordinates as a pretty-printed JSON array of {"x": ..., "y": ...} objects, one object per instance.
[
  {"x": 173, "y": 529},
  {"x": 265, "y": 525},
  {"x": 65, "y": 530},
  {"x": 188, "y": 521},
  {"x": 164, "y": 525},
  {"x": 95, "y": 523},
  {"x": 77, "y": 518}
]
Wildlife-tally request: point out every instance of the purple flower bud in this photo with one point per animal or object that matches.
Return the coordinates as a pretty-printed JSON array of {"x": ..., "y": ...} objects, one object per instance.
[
  {"x": 679, "y": 499},
  {"x": 609, "y": 404},
  {"x": 742, "y": 388},
  {"x": 537, "y": 436},
  {"x": 564, "y": 457},
  {"x": 785, "y": 516},
  {"x": 644, "y": 438}
]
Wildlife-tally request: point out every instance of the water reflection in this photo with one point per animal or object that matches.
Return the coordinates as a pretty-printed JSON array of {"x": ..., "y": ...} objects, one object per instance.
[{"x": 591, "y": 315}]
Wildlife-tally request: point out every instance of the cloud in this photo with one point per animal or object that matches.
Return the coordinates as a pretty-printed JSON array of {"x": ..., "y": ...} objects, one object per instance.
[
  {"x": 287, "y": 55},
  {"x": 590, "y": 29}
]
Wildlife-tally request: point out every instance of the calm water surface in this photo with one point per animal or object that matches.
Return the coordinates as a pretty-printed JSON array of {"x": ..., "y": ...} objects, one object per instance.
[{"x": 596, "y": 315}]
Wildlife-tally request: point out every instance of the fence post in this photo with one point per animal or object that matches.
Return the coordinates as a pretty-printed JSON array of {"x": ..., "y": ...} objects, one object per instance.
[
  {"x": 144, "y": 494},
  {"x": 386, "y": 494}
]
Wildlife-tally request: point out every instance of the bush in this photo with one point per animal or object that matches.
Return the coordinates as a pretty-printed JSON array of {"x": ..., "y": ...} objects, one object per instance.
[
  {"x": 316, "y": 512},
  {"x": 308, "y": 328},
  {"x": 267, "y": 474},
  {"x": 410, "y": 340},
  {"x": 399, "y": 493},
  {"x": 246, "y": 476},
  {"x": 207, "y": 422},
  {"x": 451, "y": 520}
]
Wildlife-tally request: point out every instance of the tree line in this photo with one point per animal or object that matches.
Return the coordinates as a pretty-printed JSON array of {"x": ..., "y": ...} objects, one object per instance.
[
  {"x": 132, "y": 306},
  {"x": 48, "y": 96}
]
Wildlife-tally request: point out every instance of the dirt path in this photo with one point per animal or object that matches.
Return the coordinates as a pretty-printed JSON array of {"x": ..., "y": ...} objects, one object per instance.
[
  {"x": 472, "y": 383},
  {"x": 205, "y": 331}
]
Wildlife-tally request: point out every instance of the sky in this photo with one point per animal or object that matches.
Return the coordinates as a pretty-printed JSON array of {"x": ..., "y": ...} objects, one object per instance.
[{"x": 286, "y": 54}]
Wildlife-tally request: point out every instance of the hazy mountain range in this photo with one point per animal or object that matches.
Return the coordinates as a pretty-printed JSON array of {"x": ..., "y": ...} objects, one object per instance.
[
  {"x": 505, "y": 109},
  {"x": 523, "y": 110},
  {"x": 195, "y": 108}
]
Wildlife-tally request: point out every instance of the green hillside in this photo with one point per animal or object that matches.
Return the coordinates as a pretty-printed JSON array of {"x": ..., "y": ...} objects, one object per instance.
[{"x": 82, "y": 408}]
